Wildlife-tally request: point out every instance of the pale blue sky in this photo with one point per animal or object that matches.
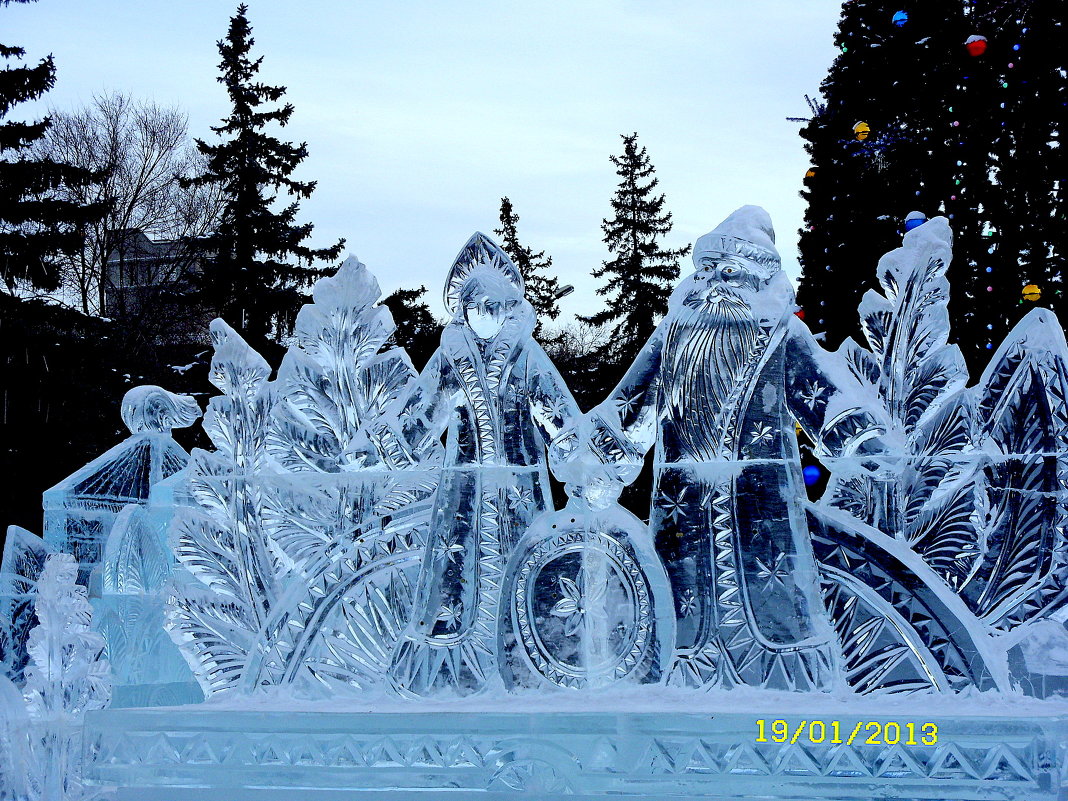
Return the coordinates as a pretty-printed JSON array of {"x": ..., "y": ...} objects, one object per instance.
[{"x": 419, "y": 116}]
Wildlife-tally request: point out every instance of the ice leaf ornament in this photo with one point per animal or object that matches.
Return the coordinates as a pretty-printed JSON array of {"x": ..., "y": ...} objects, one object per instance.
[
  {"x": 920, "y": 379},
  {"x": 66, "y": 677},
  {"x": 23, "y": 560},
  {"x": 295, "y": 563},
  {"x": 341, "y": 375},
  {"x": 136, "y": 560},
  {"x": 1022, "y": 422},
  {"x": 908, "y": 328},
  {"x": 221, "y": 542}
]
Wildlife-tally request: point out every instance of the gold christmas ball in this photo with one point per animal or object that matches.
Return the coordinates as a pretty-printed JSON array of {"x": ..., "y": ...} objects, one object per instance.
[
  {"x": 862, "y": 130},
  {"x": 1031, "y": 292}
]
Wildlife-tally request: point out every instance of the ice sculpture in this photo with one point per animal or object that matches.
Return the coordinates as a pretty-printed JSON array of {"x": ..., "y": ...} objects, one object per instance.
[
  {"x": 65, "y": 678},
  {"x": 714, "y": 392},
  {"x": 14, "y": 742},
  {"x": 367, "y": 532},
  {"x": 589, "y": 605},
  {"x": 495, "y": 395},
  {"x": 296, "y": 567},
  {"x": 332, "y": 543},
  {"x": 23, "y": 560},
  {"x": 147, "y": 668},
  {"x": 80, "y": 510}
]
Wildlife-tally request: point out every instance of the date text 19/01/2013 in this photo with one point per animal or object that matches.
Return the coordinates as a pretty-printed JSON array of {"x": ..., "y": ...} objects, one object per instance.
[{"x": 833, "y": 732}]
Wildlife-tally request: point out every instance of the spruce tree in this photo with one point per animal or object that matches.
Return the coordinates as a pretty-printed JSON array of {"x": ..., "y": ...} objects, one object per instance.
[
  {"x": 1007, "y": 199},
  {"x": 34, "y": 227},
  {"x": 417, "y": 331},
  {"x": 541, "y": 289},
  {"x": 966, "y": 132},
  {"x": 262, "y": 262},
  {"x": 642, "y": 273},
  {"x": 897, "y": 78}
]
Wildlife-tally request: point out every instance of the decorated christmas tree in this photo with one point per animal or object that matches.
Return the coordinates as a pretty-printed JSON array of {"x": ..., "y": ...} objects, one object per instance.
[
  {"x": 1006, "y": 198},
  {"x": 879, "y": 148},
  {"x": 951, "y": 108}
]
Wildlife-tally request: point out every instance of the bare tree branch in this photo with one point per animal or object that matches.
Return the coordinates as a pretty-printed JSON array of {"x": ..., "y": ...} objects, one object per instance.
[{"x": 142, "y": 149}]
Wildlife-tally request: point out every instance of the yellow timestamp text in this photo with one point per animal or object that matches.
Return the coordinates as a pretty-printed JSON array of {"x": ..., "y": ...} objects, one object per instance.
[{"x": 834, "y": 732}]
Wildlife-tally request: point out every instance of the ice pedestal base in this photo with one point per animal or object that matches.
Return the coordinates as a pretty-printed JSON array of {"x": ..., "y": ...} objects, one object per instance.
[{"x": 207, "y": 752}]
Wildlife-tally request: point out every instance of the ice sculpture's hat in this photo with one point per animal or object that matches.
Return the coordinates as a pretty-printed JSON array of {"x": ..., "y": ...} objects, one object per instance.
[
  {"x": 748, "y": 233},
  {"x": 480, "y": 251}
]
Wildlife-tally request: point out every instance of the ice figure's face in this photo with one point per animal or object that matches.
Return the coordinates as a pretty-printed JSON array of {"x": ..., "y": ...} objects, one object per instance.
[
  {"x": 486, "y": 316},
  {"x": 724, "y": 287}
]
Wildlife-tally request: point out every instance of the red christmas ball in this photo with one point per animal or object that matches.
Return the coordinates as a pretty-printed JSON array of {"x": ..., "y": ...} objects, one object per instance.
[
  {"x": 800, "y": 314},
  {"x": 975, "y": 45}
]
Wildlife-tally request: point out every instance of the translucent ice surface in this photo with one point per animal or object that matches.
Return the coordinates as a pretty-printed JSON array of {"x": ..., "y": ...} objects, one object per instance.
[{"x": 364, "y": 539}]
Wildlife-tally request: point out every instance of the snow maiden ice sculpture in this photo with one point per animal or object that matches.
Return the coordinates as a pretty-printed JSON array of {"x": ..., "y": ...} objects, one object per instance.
[
  {"x": 385, "y": 541},
  {"x": 494, "y": 390}
]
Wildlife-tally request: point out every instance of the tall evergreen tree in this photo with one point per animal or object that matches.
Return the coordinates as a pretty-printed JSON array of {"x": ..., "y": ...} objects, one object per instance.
[
  {"x": 891, "y": 76},
  {"x": 34, "y": 227},
  {"x": 541, "y": 289},
  {"x": 262, "y": 261},
  {"x": 966, "y": 132},
  {"x": 642, "y": 273},
  {"x": 417, "y": 331},
  {"x": 1007, "y": 198}
]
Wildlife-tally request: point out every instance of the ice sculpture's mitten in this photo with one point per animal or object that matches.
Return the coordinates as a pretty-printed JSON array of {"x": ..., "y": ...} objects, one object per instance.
[{"x": 587, "y": 602}]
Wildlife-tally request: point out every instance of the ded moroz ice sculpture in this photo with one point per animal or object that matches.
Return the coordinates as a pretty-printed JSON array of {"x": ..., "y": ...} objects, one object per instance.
[
  {"x": 714, "y": 393},
  {"x": 365, "y": 532}
]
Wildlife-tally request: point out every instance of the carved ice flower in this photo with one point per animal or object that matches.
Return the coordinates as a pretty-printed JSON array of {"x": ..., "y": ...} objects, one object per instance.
[
  {"x": 577, "y": 603},
  {"x": 778, "y": 572},
  {"x": 813, "y": 394},
  {"x": 450, "y": 614},
  {"x": 627, "y": 405},
  {"x": 520, "y": 499},
  {"x": 674, "y": 508},
  {"x": 450, "y": 549},
  {"x": 761, "y": 434},
  {"x": 688, "y": 604}
]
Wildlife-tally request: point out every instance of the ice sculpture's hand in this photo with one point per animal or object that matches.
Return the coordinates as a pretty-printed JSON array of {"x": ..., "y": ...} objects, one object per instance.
[
  {"x": 597, "y": 494},
  {"x": 594, "y": 485}
]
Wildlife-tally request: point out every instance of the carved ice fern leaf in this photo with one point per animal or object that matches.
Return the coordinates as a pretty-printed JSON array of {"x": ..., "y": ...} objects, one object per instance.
[
  {"x": 340, "y": 377},
  {"x": 135, "y": 559},
  {"x": 231, "y": 574},
  {"x": 1023, "y": 429},
  {"x": 921, "y": 380},
  {"x": 310, "y": 524},
  {"x": 65, "y": 677},
  {"x": 917, "y": 366},
  {"x": 24, "y": 558},
  {"x": 214, "y": 633}
]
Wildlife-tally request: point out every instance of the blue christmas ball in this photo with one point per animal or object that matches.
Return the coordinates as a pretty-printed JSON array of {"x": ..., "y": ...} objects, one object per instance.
[
  {"x": 914, "y": 219},
  {"x": 900, "y": 18},
  {"x": 812, "y": 474}
]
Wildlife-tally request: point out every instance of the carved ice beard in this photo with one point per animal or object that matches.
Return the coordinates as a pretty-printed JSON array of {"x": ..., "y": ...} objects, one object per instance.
[{"x": 708, "y": 347}]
